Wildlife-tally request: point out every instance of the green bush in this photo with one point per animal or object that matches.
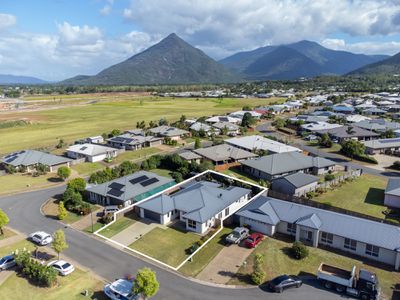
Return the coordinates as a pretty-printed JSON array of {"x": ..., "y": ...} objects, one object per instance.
[
  {"x": 329, "y": 177},
  {"x": 299, "y": 250},
  {"x": 258, "y": 274}
]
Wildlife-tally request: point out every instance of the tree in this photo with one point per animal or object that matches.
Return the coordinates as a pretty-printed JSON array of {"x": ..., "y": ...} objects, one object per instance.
[
  {"x": 279, "y": 123},
  {"x": 247, "y": 108},
  {"x": 145, "y": 283},
  {"x": 63, "y": 172},
  {"x": 353, "y": 148},
  {"x": 248, "y": 120},
  {"x": 258, "y": 274},
  {"x": 115, "y": 132},
  {"x": 388, "y": 134},
  {"x": 350, "y": 130},
  {"x": 4, "y": 220},
  {"x": 77, "y": 184},
  {"x": 62, "y": 211},
  {"x": 59, "y": 243},
  {"x": 197, "y": 143},
  {"x": 325, "y": 141},
  {"x": 60, "y": 144}
]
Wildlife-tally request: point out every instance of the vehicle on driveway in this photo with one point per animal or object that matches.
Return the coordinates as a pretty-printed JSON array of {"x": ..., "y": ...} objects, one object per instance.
[
  {"x": 237, "y": 235},
  {"x": 283, "y": 282},
  {"x": 253, "y": 240},
  {"x": 110, "y": 209},
  {"x": 64, "y": 268},
  {"x": 41, "y": 238},
  {"x": 120, "y": 289},
  {"x": 7, "y": 262},
  {"x": 364, "y": 285}
]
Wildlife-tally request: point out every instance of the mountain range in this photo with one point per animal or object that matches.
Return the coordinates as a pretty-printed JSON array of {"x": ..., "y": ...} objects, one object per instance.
[
  {"x": 15, "y": 79},
  {"x": 388, "y": 66}
]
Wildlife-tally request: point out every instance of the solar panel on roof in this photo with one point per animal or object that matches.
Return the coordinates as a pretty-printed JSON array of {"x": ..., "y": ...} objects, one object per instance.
[
  {"x": 390, "y": 141},
  {"x": 149, "y": 181},
  {"x": 115, "y": 192},
  {"x": 11, "y": 159},
  {"x": 116, "y": 185},
  {"x": 138, "y": 179},
  {"x": 83, "y": 148}
]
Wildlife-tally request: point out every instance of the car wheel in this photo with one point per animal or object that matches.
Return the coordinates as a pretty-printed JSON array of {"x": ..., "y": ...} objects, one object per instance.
[
  {"x": 340, "y": 288},
  {"x": 298, "y": 285},
  {"x": 328, "y": 285},
  {"x": 280, "y": 290}
]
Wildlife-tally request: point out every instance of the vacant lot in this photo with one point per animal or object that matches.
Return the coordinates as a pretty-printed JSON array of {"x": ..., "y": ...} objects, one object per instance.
[
  {"x": 278, "y": 262},
  {"x": 24, "y": 182},
  {"x": 365, "y": 195},
  {"x": 73, "y": 122}
]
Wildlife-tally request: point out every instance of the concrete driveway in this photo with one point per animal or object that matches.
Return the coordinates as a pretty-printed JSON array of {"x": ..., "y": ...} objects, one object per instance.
[{"x": 225, "y": 264}]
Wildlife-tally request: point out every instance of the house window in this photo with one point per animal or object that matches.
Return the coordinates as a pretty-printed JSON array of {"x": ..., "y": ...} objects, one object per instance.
[
  {"x": 220, "y": 215},
  {"x": 326, "y": 238},
  {"x": 226, "y": 211},
  {"x": 372, "y": 250},
  {"x": 350, "y": 244},
  {"x": 191, "y": 224},
  {"x": 291, "y": 228}
]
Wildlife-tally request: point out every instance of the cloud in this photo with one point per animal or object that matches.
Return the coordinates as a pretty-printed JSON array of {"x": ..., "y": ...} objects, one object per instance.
[
  {"x": 371, "y": 48},
  {"x": 7, "y": 20},
  {"x": 107, "y": 8}
]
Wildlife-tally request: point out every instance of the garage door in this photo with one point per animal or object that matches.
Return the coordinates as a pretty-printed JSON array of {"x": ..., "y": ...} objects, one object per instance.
[
  {"x": 152, "y": 216},
  {"x": 258, "y": 226}
]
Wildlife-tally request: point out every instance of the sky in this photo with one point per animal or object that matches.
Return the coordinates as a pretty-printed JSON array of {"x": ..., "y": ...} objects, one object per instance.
[{"x": 58, "y": 39}]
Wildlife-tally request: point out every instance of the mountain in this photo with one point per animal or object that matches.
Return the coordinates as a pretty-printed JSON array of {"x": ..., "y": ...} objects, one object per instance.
[
  {"x": 171, "y": 61},
  {"x": 14, "y": 79},
  {"x": 324, "y": 61},
  {"x": 388, "y": 66}
]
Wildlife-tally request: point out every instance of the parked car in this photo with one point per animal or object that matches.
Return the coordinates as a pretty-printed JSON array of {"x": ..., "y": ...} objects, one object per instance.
[
  {"x": 237, "y": 235},
  {"x": 120, "y": 289},
  {"x": 7, "y": 262},
  {"x": 283, "y": 282},
  {"x": 64, "y": 268},
  {"x": 253, "y": 240},
  {"x": 311, "y": 137},
  {"x": 41, "y": 238},
  {"x": 110, "y": 209}
]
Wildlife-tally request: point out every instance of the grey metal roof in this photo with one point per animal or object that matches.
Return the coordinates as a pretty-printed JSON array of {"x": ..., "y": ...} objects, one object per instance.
[
  {"x": 383, "y": 143},
  {"x": 263, "y": 212},
  {"x": 224, "y": 152},
  {"x": 127, "y": 187},
  {"x": 300, "y": 179},
  {"x": 378, "y": 124},
  {"x": 33, "y": 157},
  {"x": 349, "y": 132},
  {"x": 279, "y": 163},
  {"x": 189, "y": 155},
  {"x": 229, "y": 126},
  {"x": 90, "y": 149},
  {"x": 199, "y": 201},
  {"x": 131, "y": 139},
  {"x": 393, "y": 187},
  {"x": 257, "y": 142},
  {"x": 168, "y": 131},
  {"x": 362, "y": 230},
  {"x": 200, "y": 126},
  {"x": 312, "y": 221}
]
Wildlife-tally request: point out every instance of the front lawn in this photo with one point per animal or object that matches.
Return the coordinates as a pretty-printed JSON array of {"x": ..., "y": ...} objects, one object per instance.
[
  {"x": 278, "y": 262},
  {"x": 167, "y": 245},
  {"x": 134, "y": 155},
  {"x": 87, "y": 168},
  {"x": 96, "y": 226},
  {"x": 364, "y": 195},
  {"x": 205, "y": 255},
  {"x": 334, "y": 149},
  {"x": 6, "y": 234},
  {"x": 237, "y": 173},
  {"x": 121, "y": 224}
]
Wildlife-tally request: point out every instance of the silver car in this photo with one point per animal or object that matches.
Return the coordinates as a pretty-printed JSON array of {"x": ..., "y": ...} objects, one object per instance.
[
  {"x": 41, "y": 238},
  {"x": 7, "y": 262}
]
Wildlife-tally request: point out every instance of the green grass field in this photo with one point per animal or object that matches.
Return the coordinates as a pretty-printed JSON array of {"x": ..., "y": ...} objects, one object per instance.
[
  {"x": 87, "y": 168},
  {"x": 365, "y": 195},
  {"x": 119, "y": 225},
  {"x": 18, "y": 182},
  {"x": 134, "y": 155},
  {"x": 73, "y": 122}
]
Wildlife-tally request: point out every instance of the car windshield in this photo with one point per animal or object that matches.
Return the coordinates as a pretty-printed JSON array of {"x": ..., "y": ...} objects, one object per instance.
[
  {"x": 279, "y": 279},
  {"x": 2, "y": 261},
  {"x": 250, "y": 239},
  {"x": 236, "y": 233},
  {"x": 66, "y": 265}
]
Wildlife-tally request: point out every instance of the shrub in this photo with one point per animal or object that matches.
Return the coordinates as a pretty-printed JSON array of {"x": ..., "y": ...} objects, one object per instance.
[
  {"x": 329, "y": 177},
  {"x": 107, "y": 218},
  {"x": 62, "y": 211},
  {"x": 299, "y": 250},
  {"x": 63, "y": 173},
  {"x": 77, "y": 184},
  {"x": 10, "y": 169},
  {"x": 396, "y": 165},
  {"x": 258, "y": 274}
]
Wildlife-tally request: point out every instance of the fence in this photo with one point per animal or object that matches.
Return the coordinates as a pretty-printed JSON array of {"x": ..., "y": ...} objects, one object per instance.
[{"x": 340, "y": 178}]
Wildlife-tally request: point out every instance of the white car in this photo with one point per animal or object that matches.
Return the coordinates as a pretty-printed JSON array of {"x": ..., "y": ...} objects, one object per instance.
[
  {"x": 64, "y": 268},
  {"x": 41, "y": 238},
  {"x": 120, "y": 289}
]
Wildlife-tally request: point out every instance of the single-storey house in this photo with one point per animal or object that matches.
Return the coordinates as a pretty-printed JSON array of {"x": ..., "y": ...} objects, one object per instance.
[
  {"x": 256, "y": 142},
  {"x": 91, "y": 152},
  {"x": 219, "y": 119},
  {"x": 95, "y": 139},
  {"x": 130, "y": 141},
  {"x": 296, "y": 184},
  {"x": 30, "y": 158},
  {"x": 224, "y": 154},
  {"x": 169, "y": 131},
  {"x": 204, "y": 127},
  {"x": 379, "y": 125},
  {"x": 356, "y": 118},
  {"x": 391, "y": 145},
  {"x": 345, "y": 133},
  {"x": 373, "y": 111},
  {"x": 231, "y": 129},
  {"x": 373, "y": 240},
  {"x": 239, "y": 114},
  {"x": 318, "y": 126},
  {"x": 190, "y": 156},
  {"x": 128, "y": 189},
  {"x": 281, "y": 164},
  {"x": 343, "y": 108},
  {"x": 392, "y": 193},
  {"x": 201, "y": 205}
]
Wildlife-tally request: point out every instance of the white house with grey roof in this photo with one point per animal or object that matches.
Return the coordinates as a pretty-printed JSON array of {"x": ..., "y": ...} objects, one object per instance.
[
  {"x": 128, "y": 189},
  {"x": 169, "y": 131},
  {"x": 382, "y": 146},
  {"x": 296, "y": 184},
  {"x": 200, "y": 205},
  {"x": 316, "y": 227},
  {"x": 231, "y": 129},
  {"x": 129, "y": 141},
  {"x": 392, "y": 193},
  {"x": 190, "y": 156},
  {"x": 91, "y": 152},
  {"x": 29, "y": 159},
  {"x": 257, "y": 142},
  {"x": 224, "y": 154},
  {"x": 224, "y": 119},
  {"x": 281, "y": 164},
  {"x": 209, "y": 130}
]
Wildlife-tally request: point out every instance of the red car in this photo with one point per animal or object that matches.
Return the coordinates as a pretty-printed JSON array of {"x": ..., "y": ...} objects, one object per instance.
[{"x": 253, "y": 239}]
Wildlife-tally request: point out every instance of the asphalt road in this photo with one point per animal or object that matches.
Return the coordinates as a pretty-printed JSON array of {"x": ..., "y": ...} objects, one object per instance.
[{"x": 111, "y": 263}]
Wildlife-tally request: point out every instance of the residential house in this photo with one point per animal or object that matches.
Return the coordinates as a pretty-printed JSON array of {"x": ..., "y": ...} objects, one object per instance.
[
  {"x": 345, "y": 133},
  {"x": 29, "y": 159},
  {"x": 239, "y": 114},
  {"x": 224, "y": 119},
  {"x": 281, "y": 164},
  {"x": 95, "y": 139},
  {"x": 379, "y": 125},
  {"x": 318, "y": 126},
  {"x": 231, "y": 129},
  {"x": 190, "y": 156},
  {"x": 343, "y": 108},
  {"x": 373, "y": 111},
  {"x": 296, "y": 184},
  {"x": 356, "y": 118},
  {"x": 224, "y": 154},
  {"x": 168, "y": 131},
  {"x": 392, "y": 193},
  {"x": 254, "y": 143},
  {"x": 382, "y": 146},
  {"x": 130, "y": 141},
  {"x": 200, "y": 205},
  {"x": 91, "y": 152},
  {"x": 369, "y": 239},
  {"x": 126, "y": 190},
  {"x": 207, "y": 129}
]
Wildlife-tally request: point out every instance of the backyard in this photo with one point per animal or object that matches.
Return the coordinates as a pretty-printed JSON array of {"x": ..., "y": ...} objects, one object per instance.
[
  {"x": 364, "y": 195},
  {"x": 278, "y": 262}
]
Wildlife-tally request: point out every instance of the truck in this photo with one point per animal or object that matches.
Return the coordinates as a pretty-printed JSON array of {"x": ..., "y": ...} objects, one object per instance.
[
  {"x": 363, "y": 285},
  {"x": 237, "y": 235}
]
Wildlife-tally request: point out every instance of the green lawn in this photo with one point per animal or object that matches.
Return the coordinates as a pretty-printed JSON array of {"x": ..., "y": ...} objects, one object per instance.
[
  {"x": 18, "y": 182},
  {"x": 237, "y": 173},
  {"x": 133, "y": 155},
  {"x": 277, "y": 262},
  {"x": 335, "y": 147},
  {"x": 87, "y": 168},
  {"x": 119, "y": 225},
  {"x": 6, "y": 234},
  {"x": 205, "y": 255},
  {"x": 365, "y": 195},
  {"x": 162, "y": 172},
  {"x": 47, "y": 126},
  {"x": 167, "y": 245},
  {"x": 96, "y": 226}
]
